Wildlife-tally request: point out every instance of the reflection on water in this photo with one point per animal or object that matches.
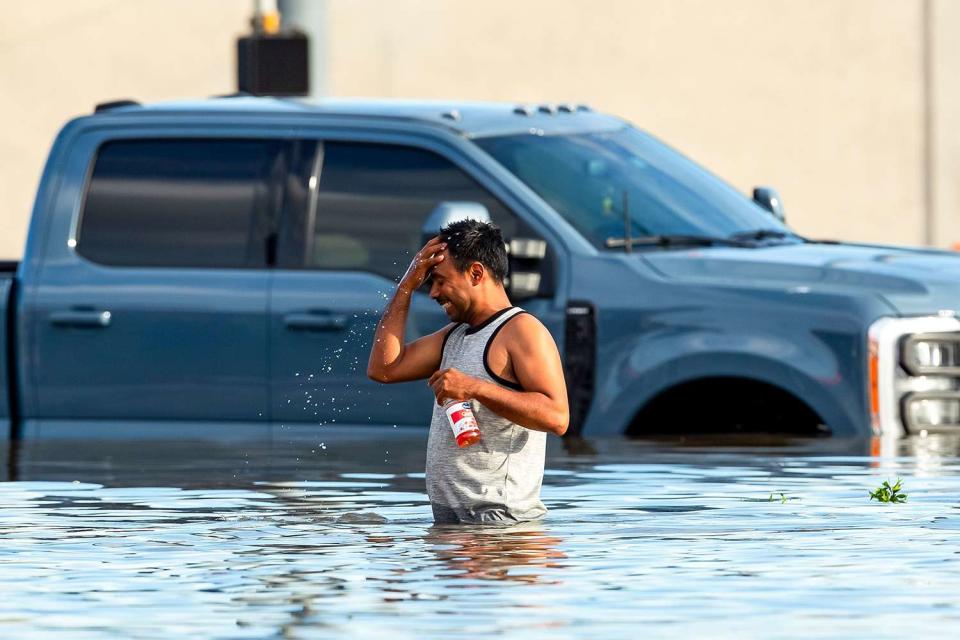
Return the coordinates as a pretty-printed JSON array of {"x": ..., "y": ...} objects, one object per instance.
[
  {"x": 519, "y": 553},
  {"x": 659, "y": 539}
]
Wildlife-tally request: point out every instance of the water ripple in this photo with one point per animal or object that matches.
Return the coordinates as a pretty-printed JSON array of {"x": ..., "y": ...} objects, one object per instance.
[{"x": 640, "y": 539}]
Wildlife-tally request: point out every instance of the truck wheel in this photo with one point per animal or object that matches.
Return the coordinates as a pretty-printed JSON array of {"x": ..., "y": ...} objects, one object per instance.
[{"x": 727, "y": 406}]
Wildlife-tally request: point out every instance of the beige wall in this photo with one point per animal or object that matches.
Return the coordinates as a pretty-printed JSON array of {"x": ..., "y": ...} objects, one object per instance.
[
  {"x": 819, "y": 98},
  {"x": 58, "y": 58},
  {"x": 824, "y": 100},
  {"x": 945, "y": 176}
]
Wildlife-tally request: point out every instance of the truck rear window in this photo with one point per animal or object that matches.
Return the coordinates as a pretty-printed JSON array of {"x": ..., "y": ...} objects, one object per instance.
[{"x": 181, "y": 203}]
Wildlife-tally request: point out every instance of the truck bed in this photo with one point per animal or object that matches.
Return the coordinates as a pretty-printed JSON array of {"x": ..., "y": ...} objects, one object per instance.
[{"x": 7, "y": 271}]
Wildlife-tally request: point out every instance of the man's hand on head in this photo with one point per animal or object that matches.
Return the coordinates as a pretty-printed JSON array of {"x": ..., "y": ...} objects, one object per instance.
[
  {"x": 451, "y": 384},
  {"x": 426, "y": 259}
]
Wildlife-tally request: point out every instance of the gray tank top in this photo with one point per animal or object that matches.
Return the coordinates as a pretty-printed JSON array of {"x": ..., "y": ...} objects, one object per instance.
[{"x": 498, "y": 479}]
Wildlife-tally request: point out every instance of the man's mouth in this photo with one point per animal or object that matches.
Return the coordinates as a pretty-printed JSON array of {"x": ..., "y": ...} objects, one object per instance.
[{"x": 446, "y": 306}]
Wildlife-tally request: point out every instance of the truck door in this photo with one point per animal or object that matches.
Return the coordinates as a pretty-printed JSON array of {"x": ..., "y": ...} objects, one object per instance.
[
  {"x": 340, "y": 257},
  {"x": 157, "y": 311}
]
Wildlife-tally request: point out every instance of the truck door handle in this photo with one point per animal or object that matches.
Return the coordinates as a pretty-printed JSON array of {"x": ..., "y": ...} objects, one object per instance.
[
  {"x": 315, "y": 322},
  {"x": 81, "y": 319}
]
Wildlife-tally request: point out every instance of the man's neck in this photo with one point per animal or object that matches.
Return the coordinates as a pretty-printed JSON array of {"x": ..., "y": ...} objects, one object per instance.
[{"x": 487, "y": 308}]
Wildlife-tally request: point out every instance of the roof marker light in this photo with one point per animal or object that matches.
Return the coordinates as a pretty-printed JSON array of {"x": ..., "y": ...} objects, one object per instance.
[{"x": 115, "y": 104}]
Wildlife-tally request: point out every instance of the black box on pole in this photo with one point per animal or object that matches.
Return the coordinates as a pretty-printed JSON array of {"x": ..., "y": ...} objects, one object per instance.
[{"x": 273, "y": 65}]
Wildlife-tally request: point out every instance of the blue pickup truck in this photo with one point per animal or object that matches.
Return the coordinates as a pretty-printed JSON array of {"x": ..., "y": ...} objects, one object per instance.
[{"x": 224, "y": 262}]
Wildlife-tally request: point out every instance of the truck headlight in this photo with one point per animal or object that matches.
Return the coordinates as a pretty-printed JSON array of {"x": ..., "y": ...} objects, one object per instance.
[
  {"x": 913, "y": 373},
  {"x": 925, "y": 354},
  {"x": 931, "y": 411}
]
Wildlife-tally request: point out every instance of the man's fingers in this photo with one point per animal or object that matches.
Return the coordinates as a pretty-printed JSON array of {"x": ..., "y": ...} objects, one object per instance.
[
  {"x": 429, "y": 262},
  {"x": 432, "y": 248},
  {"x": 427, "y": 259},
  {"x": 437, "y": 387}
]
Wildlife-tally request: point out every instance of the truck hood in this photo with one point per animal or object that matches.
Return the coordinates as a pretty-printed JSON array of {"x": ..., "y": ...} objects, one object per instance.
[{"x": 913, "y": 281}]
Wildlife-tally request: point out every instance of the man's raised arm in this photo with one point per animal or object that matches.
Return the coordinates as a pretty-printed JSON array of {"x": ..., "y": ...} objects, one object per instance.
[{"x": 390, "y": 359}]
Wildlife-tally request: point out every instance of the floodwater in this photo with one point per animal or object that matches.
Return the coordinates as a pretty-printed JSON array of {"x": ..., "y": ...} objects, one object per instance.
[{"x": 292, "y": 538}]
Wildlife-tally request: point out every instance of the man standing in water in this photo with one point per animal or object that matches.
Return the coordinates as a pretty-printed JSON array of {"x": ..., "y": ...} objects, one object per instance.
[{"x": 493, "y": 354}]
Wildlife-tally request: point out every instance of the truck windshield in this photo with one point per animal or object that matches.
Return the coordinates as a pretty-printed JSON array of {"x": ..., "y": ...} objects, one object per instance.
[{"x": 589, "y": 178}]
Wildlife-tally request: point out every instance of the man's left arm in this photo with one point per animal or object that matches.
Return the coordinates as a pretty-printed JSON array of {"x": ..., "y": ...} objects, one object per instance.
[{"x": 542, "y": 404}]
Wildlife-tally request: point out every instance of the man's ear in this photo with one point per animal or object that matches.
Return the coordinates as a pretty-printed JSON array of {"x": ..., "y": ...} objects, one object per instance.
[{"x": 476, "y": 273}]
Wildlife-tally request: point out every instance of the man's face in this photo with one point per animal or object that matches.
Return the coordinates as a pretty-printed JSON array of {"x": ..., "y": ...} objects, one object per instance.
[{"x": 451, "y": 289}]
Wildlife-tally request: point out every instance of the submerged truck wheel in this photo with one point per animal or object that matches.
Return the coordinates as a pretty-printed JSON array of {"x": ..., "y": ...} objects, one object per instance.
[{"x": 726, "y": 406}]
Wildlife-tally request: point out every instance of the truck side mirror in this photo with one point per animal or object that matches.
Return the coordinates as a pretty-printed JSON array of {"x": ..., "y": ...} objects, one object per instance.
[
  {"x": 450, "y": 211},
  {"x": 769, "y": 199}
]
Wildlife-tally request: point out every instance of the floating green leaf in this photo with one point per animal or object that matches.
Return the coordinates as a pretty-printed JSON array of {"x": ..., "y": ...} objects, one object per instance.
[{"x": 888, "y": 493}]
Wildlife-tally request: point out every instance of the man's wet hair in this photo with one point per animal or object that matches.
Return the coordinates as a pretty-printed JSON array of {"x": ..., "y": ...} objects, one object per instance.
[{"x": 471, "y": 241}]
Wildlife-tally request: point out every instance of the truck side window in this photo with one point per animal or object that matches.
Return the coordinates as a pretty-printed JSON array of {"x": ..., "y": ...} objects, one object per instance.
[
  {"x": 182, "y": 203},
  {"x": 373, "y": 200}
]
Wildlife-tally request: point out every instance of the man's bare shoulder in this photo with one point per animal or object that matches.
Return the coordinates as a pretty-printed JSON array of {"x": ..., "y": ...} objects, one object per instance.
[{"x": 525, "y": 329}]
